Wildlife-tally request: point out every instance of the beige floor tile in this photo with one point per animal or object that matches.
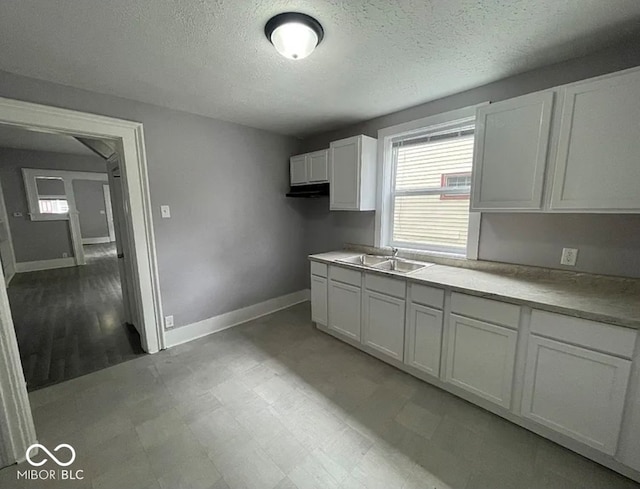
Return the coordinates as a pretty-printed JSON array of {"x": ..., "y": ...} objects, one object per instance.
[
  {"x": 216, "y": 428},
  {"x": 276, "y": 403},
  {"x": 177, "y": 451},
  {"x": 285, "y": 450},
  {"x": 257, "y": 471},
  {"x": 133, "y": 473},
  {"x": 316, "y": 471},
  {"x": 418, "y": 419},
  {"x": 158, "y": 430},
  {"x": 456, "y": 438}
]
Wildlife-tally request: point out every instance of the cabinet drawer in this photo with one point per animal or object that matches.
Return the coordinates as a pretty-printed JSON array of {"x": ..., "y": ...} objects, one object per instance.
[
  {"x": 385, "y": 285},
  {"x": 486, "y": 309},
  {"x": 345, "y": 276},
  {"x": 427, "y": 296},
  {"x": 590, "y": 334},
  {"x": 319, "y": 269}
]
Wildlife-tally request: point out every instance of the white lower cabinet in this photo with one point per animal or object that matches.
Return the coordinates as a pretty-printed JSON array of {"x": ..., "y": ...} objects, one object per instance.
[
  {"x": 383, "y": 324},
  {"x": 344, "y": 309},
  {"x": 573, "y": 373},
  {"x": 575, "y": 391},
  {"x": 480, "y": 358},
  {"x": 423, "y": 341},
  {"x": 319, "y": 303}
]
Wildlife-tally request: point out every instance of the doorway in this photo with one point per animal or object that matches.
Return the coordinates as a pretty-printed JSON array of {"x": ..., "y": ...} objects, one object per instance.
[
  {"x": 16, "y": 425},
  {"x": 73, "y": 314}
]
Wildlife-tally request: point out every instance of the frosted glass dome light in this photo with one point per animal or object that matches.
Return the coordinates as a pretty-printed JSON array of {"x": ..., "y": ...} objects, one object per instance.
[{"x": 294, "y": 35}]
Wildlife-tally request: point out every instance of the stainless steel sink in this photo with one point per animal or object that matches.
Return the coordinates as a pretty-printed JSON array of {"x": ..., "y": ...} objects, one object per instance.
[
  {"x": 391, "y": 264},
  {"x": 365, "y": 260},
  {"x": 401, "y": 266}
]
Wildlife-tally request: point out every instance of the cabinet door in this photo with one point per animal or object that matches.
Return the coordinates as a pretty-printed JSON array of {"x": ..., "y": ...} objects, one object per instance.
[
  {"x": 319, "y": 299},
  {"x": 597, "y": 161},
  {"x": 383, "y": 324},
  {"x": 298, "y": 166},
  {"x": 424, "y": 339},
  {"x": 577, "y": 392},
  {"x": 319, "y": 166},
  {"x": 344, "y": 161},
  {"x": 481, "y": 358},
  {"x": 344, "y": 309},
  {"x": 510, "y": 154}
]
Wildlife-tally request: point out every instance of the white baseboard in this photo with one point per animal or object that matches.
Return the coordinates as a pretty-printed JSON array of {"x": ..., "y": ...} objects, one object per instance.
[
  {"x": 177, "y": 336},
  {"x": 34, "y": 266},
  {"x": 89, "y": 241}
]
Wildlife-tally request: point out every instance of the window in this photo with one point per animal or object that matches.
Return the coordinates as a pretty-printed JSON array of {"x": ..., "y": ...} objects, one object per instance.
[
  {"x": 456, "y": 181},
  {"x": 52, "y": 197},
  {"x": 53, "y": 205},
  {"x": 429, "y": 186}
]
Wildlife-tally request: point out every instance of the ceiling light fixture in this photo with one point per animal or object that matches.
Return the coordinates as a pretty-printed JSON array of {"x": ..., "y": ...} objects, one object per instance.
[{"x": 294, "y": 35}]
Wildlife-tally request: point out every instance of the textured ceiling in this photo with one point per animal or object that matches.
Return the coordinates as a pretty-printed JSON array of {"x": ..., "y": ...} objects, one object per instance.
[
  {"x": 211, "y": 57},
  {"x": 13, "y": 137}
]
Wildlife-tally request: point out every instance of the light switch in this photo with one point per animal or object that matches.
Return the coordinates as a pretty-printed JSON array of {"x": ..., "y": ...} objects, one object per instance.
[{"x": 165, "y": 211}]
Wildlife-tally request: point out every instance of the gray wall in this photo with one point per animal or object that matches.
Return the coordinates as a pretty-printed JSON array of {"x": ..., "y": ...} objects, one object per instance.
[
  {"x": 233, "y": 239},
  {"x": 91, "y": 206},
  {"x": 515, "y": 238},
  {"x": 38, "y": 240}
]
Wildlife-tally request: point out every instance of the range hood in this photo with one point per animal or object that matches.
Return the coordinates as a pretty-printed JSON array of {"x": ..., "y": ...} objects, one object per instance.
[{"x": 309, "y": 191}]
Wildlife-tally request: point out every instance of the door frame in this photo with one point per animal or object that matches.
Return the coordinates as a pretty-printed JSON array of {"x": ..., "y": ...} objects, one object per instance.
[
  {"x": 109, "y": 213},
  {"x": 16, "y": 423},
  {"x": 11, "y": 263}
]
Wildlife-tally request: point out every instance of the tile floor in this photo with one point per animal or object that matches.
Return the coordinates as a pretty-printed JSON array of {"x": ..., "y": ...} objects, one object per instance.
[{"x": 276, "y": 404}]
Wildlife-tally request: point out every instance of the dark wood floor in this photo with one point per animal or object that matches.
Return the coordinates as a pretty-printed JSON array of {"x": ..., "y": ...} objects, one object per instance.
[{"x": 69, "y": 321}]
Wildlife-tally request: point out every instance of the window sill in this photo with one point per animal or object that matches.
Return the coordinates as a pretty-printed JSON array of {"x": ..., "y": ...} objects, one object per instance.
[{"x": 430, "y": 255}]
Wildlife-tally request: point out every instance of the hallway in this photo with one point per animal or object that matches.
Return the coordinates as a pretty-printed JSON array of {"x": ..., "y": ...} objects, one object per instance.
[{"x": 69, "y": 321}]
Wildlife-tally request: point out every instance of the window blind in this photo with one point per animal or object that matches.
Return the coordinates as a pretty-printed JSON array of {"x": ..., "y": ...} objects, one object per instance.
[{"x": 431, "y": 188}]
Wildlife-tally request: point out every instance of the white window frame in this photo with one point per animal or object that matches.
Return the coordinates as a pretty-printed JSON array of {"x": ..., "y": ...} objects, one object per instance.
[
  {"x": 67, "y": 176},
  {"x": 384, "y": 205},
  {"x": 30, "y": 175}
]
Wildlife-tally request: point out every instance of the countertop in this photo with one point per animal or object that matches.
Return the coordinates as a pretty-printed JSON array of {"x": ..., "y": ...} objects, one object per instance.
[{"x": 607, "y": 299}]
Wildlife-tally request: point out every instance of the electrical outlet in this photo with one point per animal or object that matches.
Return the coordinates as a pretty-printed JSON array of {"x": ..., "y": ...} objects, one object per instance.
[
  {"x": 168, "y": 321},
  {"x": 569, "y": 257},
  {"x": 65, "y": 255},
  {"x": 165, "y": 211}
]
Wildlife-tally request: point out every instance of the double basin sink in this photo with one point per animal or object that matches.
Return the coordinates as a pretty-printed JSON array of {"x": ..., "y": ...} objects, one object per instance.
[{"x": 387, "y": 263}]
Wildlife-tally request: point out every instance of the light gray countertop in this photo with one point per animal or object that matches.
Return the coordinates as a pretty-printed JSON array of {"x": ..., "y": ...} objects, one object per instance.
[{"x": 608, "y": 299}]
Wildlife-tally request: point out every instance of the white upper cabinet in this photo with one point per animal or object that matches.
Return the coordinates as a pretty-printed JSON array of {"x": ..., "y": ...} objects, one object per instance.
[
  {"x": 310, "y": 168},
  {"x": 510, "y": 156},
  {"x": 578, "y": 153},
  {"x": 318, "y": 166},
  {"x": 352, "y": 164},
  {"x": 298, "y": 168},
  {"x": 598, "y": 163}
]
